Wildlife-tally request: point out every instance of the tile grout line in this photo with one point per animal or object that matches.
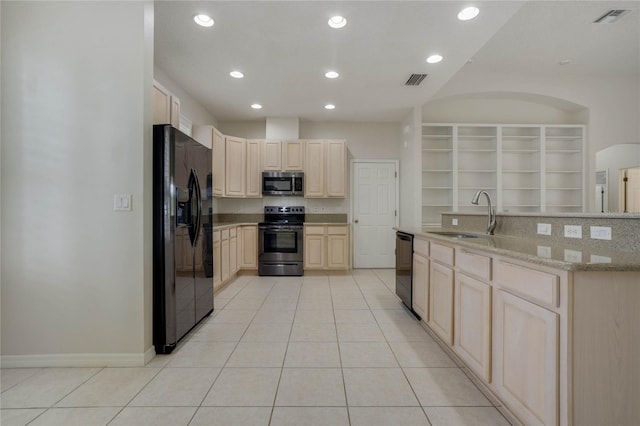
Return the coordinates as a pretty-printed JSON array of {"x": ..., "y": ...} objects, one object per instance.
[
  {"x": 284, "y": 359},
  {"x": 344, "y": 382}
]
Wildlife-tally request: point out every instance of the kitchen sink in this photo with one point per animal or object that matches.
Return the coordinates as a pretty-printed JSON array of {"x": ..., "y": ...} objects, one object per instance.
[{"x": 457, "y": 235}]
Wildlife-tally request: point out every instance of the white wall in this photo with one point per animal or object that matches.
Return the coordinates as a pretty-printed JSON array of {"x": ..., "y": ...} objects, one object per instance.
[
  {"x": 189, "y": 107},
  {"x": 410, "y": 153},
  {"x": 500, "y": 109},
  {"x": 76, "y": 276}
]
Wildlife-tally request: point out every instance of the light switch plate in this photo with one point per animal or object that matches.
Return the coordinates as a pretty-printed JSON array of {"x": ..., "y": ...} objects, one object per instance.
[
  {"x": 600, "y": 232},
  {"x": 122, "y": 202},
  {"x": 544, "y": 228}
]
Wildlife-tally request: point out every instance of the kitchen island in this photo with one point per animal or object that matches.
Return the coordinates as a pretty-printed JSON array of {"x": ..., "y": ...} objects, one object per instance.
[{"x": 551, "y": 328}]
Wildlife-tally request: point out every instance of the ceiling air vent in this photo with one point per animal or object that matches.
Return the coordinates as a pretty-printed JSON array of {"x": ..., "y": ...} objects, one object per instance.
[
  {"x": 415, "y": 79},
  {"x": 611, "y": 16}
]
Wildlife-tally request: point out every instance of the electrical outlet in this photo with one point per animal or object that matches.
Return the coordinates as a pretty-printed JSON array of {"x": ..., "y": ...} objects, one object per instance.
[
  {"x": 544, "y": 251},
  {"x": 544, "y": 228},
  {"x": 454, "y": 221},
  {"x": 572, "y": 255},
  {"x": 573, "y": 231},
  {"x": 600, "y": 259},
  {"x": 601, "y": 232}
]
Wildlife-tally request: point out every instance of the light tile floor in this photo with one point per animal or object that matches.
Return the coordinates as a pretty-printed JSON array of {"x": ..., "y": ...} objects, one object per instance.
[{"x": 313, "y": 350}]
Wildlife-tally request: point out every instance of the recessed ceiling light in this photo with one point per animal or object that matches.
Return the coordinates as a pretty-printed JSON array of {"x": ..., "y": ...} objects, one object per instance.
[
  {"x": 337, "y": 21},
  {"x": 468, "y": 13},
  {"x": 434, "y": 59},
  {"x": 236, "y": 74},
  {"x": 203, "y": 20},
  {"x": 330, "y": 106},
  {"x": 331, "y": 74},
  {"x": 256, "y": 106},
  {"x": 564, "y": 62}
]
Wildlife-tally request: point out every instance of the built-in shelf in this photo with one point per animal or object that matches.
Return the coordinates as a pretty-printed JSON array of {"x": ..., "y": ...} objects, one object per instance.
[{"x": 525, "y": 168}]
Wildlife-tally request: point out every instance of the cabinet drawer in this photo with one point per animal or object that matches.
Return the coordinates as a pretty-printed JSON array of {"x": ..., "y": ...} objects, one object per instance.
[
  {"x": 537, "y": 286},
  {"x": 421, "y": 247},
  {"x": 314, "y": 230},
  {"x": 224, "y": 234},
  {"x": 442, "y": 254},
  {"x": 337, "y": 230},
  {"x": 474, "y": 264},
  {"x": 232, "y": 232}
]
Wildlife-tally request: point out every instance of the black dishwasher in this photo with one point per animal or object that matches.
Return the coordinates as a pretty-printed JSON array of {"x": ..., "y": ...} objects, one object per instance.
[{"x": 404, "y": 268}]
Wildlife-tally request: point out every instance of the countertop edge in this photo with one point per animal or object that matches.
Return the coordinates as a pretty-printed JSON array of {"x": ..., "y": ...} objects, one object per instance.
[{"x": 553, "y": 263}]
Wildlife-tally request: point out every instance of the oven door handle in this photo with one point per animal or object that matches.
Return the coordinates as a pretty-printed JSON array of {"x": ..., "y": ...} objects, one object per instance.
[{"x": 280, "y": 228}]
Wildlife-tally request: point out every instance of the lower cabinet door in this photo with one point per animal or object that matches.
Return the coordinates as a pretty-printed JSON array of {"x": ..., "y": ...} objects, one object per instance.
[
  {"x": 441, "y": 301},
  {"x": 420, "y": 286},
  {"x": 472, "y": 330},
  {"x": 314, "y": 251},
  {"x": 525, "y": 358}
]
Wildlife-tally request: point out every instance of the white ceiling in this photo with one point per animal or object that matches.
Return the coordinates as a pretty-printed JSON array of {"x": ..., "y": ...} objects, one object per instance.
[{"x": 284, "y": 49}]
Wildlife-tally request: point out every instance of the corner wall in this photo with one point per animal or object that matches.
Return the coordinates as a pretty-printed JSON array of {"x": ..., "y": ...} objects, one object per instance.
[{"x": 76, "y": 275}]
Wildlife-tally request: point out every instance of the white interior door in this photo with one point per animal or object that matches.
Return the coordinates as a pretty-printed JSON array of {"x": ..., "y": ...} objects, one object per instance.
[{"x": 374, "y": 214}]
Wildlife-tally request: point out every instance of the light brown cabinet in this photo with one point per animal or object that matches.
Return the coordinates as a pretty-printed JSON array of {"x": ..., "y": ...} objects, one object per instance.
[
  {"x": 272, "y": 159},
  {"x": 166, "y": 106},
  {"x": 325, "y": 169},
  {"x": 441, "y": 300},
  {"x": 218, "y": 152},
  {"x": 525, "y": 357},
  {"x": 420, "y": 281},
  {"x": 293, "y": 156},
  {"x": 248, "y": 243},
  {"x": 326, "y": 247},
  {"x": 555, "y": 346},
  {"x": 225, "y": 255},
  {"x": 472, "y": 320},
  {"x": 254, "y": 169},
  {"x": 217, "y": 260},
  {"x": 236, "y": 167}
]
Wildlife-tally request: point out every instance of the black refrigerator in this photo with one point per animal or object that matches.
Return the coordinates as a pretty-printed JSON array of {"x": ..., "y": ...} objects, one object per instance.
[{"x": 182, "y": 236}]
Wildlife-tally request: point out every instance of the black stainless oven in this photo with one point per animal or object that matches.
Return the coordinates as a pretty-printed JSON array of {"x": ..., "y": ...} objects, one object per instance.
[
  {"x": 280, "y": 250},
  {"x": 282, "y": 183}
]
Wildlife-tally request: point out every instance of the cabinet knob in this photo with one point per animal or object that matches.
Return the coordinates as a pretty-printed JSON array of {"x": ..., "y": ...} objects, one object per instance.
[{"x": 356, "y": 220}]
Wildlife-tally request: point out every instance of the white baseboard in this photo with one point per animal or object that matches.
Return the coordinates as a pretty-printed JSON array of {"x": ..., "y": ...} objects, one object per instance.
[{"x": 78, "y": 360}]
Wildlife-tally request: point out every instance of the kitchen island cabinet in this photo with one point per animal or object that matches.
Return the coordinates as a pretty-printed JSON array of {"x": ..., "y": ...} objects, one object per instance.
[{"x": 556, "y": 342}]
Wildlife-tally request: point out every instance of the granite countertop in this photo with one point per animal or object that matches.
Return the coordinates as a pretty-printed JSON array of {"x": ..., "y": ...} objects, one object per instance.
[
  {"x": 543, "y": 252},
  {"x": 221, "y": 225}
]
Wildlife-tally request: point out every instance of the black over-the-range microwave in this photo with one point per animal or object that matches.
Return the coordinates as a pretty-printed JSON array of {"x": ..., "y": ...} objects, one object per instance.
[{"x": 282, "y": 183}]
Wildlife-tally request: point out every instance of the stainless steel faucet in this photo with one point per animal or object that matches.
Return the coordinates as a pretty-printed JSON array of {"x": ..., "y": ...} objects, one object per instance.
[{"x": 491, "y": 224}]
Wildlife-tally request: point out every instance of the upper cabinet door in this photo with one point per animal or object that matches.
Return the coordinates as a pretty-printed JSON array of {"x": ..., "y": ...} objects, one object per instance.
[
  {"x": 161, "y": 104},
  {"x": 272, "y": 156},
  {"x": 254, "y": 168},
  {"x": 219, "y": 159},
  {"x": 166, "y": 106},
  {"x": 314, "y": 172},
  {"x": 293, "y": 156},
  {"x": 236, "y": 167},
  {"x": 336, "y": 169}
]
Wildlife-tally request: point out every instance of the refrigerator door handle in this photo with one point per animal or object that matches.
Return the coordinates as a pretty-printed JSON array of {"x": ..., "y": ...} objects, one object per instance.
[
  {"x": 199, "y": 208},
  {"x": 193, "y": 225}
]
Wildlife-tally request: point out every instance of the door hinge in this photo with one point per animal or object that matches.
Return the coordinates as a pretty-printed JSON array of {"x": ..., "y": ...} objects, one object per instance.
[
  {"x": 395, "y": 212},
  {"x": 396, "y": 173}
]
